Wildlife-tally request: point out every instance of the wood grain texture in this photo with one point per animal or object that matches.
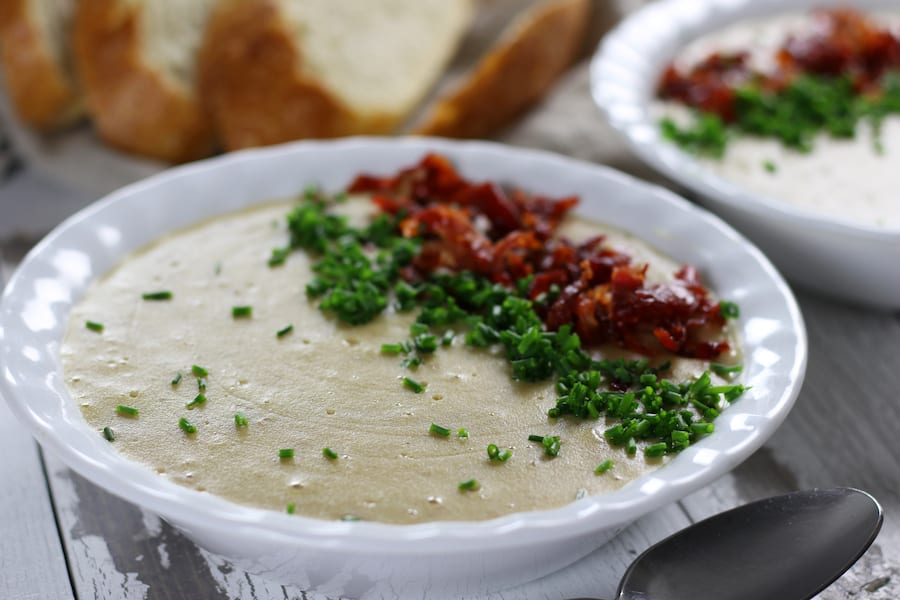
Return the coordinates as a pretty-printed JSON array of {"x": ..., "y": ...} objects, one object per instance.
[{"x": 32, "y": 565}]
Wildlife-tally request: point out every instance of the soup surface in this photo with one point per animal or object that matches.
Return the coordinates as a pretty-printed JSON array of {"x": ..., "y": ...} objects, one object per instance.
[{"x": 322, "y": 385}]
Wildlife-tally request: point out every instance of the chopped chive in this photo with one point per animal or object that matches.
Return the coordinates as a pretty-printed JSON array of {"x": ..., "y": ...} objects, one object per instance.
[
  {"x": 329, "y": 453},
  {"x": 199, "y": 400},
  {"x": 186, "y": 426},
  {"x": 655, "y": 450},
  {"x": 729, "y": 310},
  {"x": 462, "y": 432},
  {"x": 109, "y": 434},
  {"x": 725, "y": 369},
  {"x": 438, "y": 430},
  {"x": 201, "y": 384},
  {"x": 240, "y": 420},
  {"x": 161, "y": 295},
  {"x": 535, "y": 438},
  {"x": 199, "y": 371},
  {"x": 94, "y": 326},
  {"x": 177, "y": 379},
  {"x": 291, "y": 508},
  {"x": 494, "y": 453},
  {"x": 392, "y": 348},
  {"x": 286, "y": 453},
  {"x": 279, "y": 255},
  {"x": 241, "y": 312},
  {"x": 411, "y": 363},
  {"x": 284, "y": 331},
  {"x": 469, "y": 485},
  {"x": 447, "y": 338},
  {"x": 126, "y": 411},
  {"x": 603, "y": 467},
  {"x": 413, "y": 385},
  {"x": 769, "y": 166}
]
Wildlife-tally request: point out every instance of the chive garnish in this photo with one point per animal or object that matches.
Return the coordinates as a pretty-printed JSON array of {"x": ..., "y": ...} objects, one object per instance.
[
  {"x": 284, "y": 331},
  {"x": 329, "y": 453},
  {"x": 240, "y": 420},
  {"x": 199, "y": 371},
  {"x": 438, "y": 430},
  {"x": 160, "y": 295},
  {"x": 126, "y": 411},
  {"x": 199, "y": 400},
  {"x": 177, "y": 379},
  {"x": 469, "y": 485},
  {"x": 186, "y": 426},
  {"x": 462, "y": 432},
  {"x": 286, "y": 453},
  {"x": 729, "y": 310},
  {"x": 279, "y": 255},
  {"x": 655, "y": 450},
  {"x": 550, "y": 443},
  {"x": 94, "y": 326},
  {"x": 724, "y": 370},
  {"x": 411, "y": 363},
  {"x": 201, "y": 384},
  {"x": 392, "y": 349},
  {"x": 493, "y": 452},
  {"x": 413, "y": 385},
  {"x": 291, "y": 508},
  {"x": 603, "y": 467},
  {"x": 769, "y": 166},
  {"x": 241, "y": 312},
  {"x": 109, "y": 434}
]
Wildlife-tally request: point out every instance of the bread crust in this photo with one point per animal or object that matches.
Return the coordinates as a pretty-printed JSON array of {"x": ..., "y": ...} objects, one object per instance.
[
  {"x": 251, "y": 77},
  {"x": 135, "y": 107},
  {"x": 43, "y": 93},
  {"x": 514, "y": 75}
]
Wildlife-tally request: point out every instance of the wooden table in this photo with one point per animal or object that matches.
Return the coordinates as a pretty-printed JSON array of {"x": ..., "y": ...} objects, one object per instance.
[{"x": 61, "y": 536}]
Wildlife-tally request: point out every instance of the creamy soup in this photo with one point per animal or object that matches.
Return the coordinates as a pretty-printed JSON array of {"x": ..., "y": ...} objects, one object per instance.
[
  {"x": 323, "y": 385},
  {"x": 849, "y": 180}
]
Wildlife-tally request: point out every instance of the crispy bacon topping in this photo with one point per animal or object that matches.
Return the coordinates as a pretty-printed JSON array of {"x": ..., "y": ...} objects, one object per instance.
[
  {"x": 841, "y": 41},
  {"x": 510, "y": 236}
]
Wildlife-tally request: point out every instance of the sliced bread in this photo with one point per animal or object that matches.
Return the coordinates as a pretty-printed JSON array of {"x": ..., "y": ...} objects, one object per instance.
[
  {"x": 136, "y": 61},
  {"x": 34, "y": 51},
  {"x": 278, "y": 70},
  {"x": 523, "y": 60}
]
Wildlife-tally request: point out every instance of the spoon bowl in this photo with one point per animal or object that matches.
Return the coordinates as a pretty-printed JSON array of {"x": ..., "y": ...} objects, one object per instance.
[{"x": 789, "y": 547}]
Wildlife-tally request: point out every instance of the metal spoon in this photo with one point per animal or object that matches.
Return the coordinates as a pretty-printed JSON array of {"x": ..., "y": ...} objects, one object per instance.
[{"x": 788, "y": 547}]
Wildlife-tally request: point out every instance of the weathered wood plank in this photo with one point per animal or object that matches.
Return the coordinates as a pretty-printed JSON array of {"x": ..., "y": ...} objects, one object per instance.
[
  {"x": 116, "y": 550},
  {"x": 32, "y": 564}
]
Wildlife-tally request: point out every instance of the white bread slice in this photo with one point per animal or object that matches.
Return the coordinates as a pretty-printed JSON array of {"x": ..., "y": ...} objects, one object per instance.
[
  {"x": 34, "y": 48},
  {"x": 512, "y": 57},
  {"x": 278, "y": 70},
  {"x": 136, "y": 62}
]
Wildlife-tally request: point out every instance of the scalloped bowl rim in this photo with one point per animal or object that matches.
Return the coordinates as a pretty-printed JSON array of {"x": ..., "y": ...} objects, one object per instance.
[
  {"x": 37, "y": 396},
  {"x": 623, "y": 95}
]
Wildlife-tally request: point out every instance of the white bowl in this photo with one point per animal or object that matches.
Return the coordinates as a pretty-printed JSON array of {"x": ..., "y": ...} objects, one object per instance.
[
  {"x": 360, "y": 558},
  {"x": 855, "y": 262}
]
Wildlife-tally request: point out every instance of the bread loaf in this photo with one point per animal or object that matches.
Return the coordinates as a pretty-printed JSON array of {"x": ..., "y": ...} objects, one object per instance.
[
  {"x": 530, "y": 53},
  {"x": 279, "y": 70},
  {"x": 136, "y": 61},
  {"x": 34, "y": 50}
]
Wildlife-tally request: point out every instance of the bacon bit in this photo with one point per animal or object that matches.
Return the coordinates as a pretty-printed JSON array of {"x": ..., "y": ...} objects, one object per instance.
[
  {"x": 842, "y": 42},
  {"x": 508, "y": 236}
]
